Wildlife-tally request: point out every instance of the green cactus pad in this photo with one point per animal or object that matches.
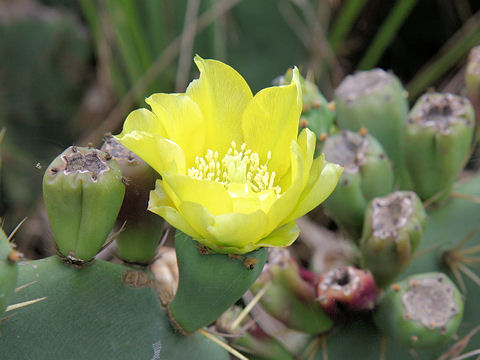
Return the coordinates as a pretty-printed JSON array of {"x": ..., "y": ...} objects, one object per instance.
[
  {"x": 8, "y": 272},
  {"x": 209, "y": 283},
  {"x": 94, "y": 313},
  {"x": 83, "y": 191},
  {"x": 421, "y": 311}
]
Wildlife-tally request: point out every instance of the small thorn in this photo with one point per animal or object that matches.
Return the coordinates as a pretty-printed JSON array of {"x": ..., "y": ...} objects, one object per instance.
[
  {"x": 23, "y": 304},
  {"x": 14, "y": 256},
  {"x": 10, "y": 237},
  {"x": 395, "y": 287},
  {"x": 363, "y": 131},
  {"x": 21, "y": 287},
  {"x": 322, "y": 137},
  {"x": 303, "y": 122}
]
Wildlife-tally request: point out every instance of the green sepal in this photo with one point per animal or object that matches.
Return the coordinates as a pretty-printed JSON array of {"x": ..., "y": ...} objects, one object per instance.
[
  {"x": 8, "y": 272},
  {"x": 291, "y": 300},
  {"x": 393, "y": 318},
  {"x": 376, "y": 100},
  {"x": 81, "y": 209},
  {"x": 209, "y": 283}
]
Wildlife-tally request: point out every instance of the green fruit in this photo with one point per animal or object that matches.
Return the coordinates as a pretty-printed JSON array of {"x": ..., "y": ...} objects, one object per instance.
[
  {"x": 83, "y": 191},
  {"x": 288, "y": 297},
  {"x": 421, "y": 311},
  {"x": 392, "y": 231},
  {"x": 376, "y": 100},
  {"x": 439, "y": 134},
  {"x": 367, "y": 174},
  {"x": 142, "y": 230}
]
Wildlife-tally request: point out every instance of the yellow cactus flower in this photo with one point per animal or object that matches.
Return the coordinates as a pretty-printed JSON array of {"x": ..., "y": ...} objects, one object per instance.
[{"x": 234, "y": 173}]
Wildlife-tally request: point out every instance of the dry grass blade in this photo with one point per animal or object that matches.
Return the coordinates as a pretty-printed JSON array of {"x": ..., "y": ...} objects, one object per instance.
[
  {"x": 222, "y": 344},
  {"x": 168, "y": 55},
  {"x": 468, "y": 355},
  {"x": 249, "y": 307}
]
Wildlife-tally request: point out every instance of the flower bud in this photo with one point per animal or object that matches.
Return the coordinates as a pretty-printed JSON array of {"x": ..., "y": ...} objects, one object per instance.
[
  {"x": 141, "y": 232},
  {"x": 376, "y": 100},
  {"x": 8, "y": 271},
  {"x": 288, "y": 297},
  {"x": 392, "y": 231},
  {"x": 421, "y": 311},
  {"x": 367, "y": 173},
  {"x": 346, "y": 289},
  {"x": 83, "y": 191},
  {"x": 439, "y": 133}
]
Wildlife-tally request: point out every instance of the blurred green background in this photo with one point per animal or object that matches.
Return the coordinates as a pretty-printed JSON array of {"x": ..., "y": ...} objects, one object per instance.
[{"x": 72, "y": 70}]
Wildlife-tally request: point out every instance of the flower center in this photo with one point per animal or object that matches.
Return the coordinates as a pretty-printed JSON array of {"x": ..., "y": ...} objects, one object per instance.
[{"x": 240, "y": 166}]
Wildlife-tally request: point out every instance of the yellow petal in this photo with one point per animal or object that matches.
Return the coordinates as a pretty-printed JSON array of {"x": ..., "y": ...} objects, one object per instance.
[
  {"x": 143, "y": 120},
  {"x": 283, "y": 236},
  {"x": 222, "y": 94},
  {"x": 161, "y": 204},
  {"x": 307, "y": 142},
  {"x": 183, "y": 122},
  {"x": 236, "y": 229},
  {"x": 284, "y": 205},
  {"x": 225, "y": 233},
  {"x": 322, "y": 181},
  {"x": 270, "y": 123},
  {"x": 161, "y": 154},
  {"x": 212, "y": 195}
]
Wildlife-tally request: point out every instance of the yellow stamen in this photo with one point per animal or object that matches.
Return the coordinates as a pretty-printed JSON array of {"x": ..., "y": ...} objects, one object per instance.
[{"x": 236, "y": 167}]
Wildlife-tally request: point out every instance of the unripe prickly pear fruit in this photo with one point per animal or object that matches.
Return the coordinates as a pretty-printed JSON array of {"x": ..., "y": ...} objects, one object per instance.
[
  {"x": 317, "y": 114},
  {"x": 367, "y": 173},
  {"x": 288, "y": 297},
  {"x": 392, "y": 231},
  {"x": 346, "y": 289},
  {"x": 376, "y": 100},
  {"x": 83, "y": 192},
  {"x": 439, "y": 134},
  {"x": 421, "y": 311},
  {"x": 8, "y": 271},
  {"x": 142, "y": 230}
]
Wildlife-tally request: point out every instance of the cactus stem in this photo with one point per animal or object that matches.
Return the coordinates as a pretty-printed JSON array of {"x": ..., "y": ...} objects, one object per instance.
[
  {"x": 249, "y": 307},
  {"x": 25, "y": 303},
  {"x": 222, "y": 344},
  {"x": 14, "y": 231},
  {"x": 21, "y": 287}
]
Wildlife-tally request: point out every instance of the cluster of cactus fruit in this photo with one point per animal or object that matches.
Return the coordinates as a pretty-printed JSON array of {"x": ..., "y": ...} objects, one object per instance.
[{"x": 411, "y": 287}]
